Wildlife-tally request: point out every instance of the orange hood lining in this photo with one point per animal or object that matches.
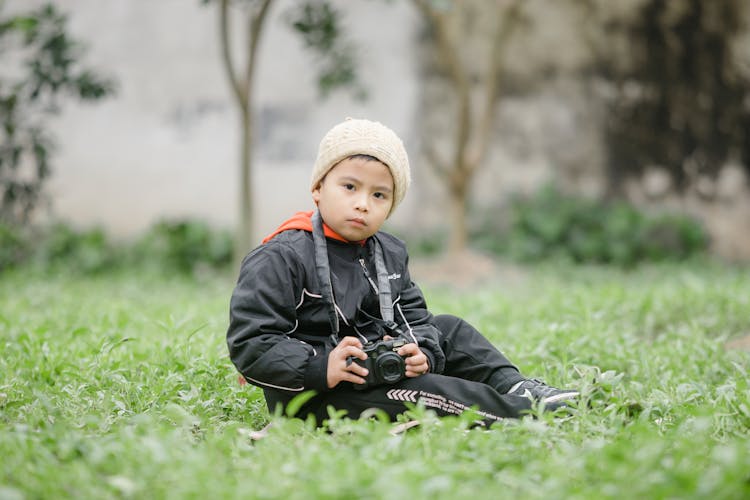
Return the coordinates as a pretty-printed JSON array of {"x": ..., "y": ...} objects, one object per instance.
[{"x": 303, "y": 221}]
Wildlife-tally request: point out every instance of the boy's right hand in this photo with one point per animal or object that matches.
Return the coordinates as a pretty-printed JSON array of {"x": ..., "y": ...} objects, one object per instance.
[{"x": 338, "y": 370}]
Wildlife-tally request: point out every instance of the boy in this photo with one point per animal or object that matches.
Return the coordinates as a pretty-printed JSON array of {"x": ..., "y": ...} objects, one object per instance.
[{"x": 326, "y": 284}]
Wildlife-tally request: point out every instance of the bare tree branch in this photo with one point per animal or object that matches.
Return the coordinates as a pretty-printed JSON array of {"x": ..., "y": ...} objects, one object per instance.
[
  {"x": 256, "y": 23},
  {"x": 503, "y": 31},
  {"x": 440, "y": 167},
  {"x": 226, "y": 53},
  {"x": 449, "y": 56}
]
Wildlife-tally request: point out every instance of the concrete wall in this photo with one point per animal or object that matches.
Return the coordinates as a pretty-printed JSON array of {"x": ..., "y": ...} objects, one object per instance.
[{"x": 167, "y": 144}]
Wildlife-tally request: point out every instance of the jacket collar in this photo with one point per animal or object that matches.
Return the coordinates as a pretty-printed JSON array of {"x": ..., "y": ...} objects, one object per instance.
[{"x": 303, "y": 221}]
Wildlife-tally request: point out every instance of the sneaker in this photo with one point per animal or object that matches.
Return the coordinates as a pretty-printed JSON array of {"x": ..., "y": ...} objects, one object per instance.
[{"x": 538, "y": 391}]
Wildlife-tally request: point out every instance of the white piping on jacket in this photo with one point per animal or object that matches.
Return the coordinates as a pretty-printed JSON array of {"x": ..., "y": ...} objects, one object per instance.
[
  {"x": 340, "y": 313},
  {"x": 276, "y": 386},
  {"x": 317, "y": 296},
  {"x": 408, "y": 326},
  {"x": 296, "y": 324},
  {"x": 302, "y": 297},
  {"x": 364, "y": 339}
]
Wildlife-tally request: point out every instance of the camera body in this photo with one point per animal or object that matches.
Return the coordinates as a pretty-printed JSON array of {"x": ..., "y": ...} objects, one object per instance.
[{"x": 384, "y": 364}]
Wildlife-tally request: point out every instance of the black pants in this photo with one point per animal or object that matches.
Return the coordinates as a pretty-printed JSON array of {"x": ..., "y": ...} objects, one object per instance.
[{"x": 476, "y": 374}]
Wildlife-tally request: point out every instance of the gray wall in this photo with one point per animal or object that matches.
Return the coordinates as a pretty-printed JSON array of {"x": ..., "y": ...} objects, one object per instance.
[{"x": 167, "y": 144}]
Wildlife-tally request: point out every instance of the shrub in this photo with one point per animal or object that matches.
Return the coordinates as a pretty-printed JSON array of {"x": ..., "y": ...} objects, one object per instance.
[
  {"x": 14, "y": 246},
  {"x": 87, "y": 251},
  {"x": 552, "y": 225},
  {"x": 172, "y": 246},
  {"x": 184, "y": 246}
]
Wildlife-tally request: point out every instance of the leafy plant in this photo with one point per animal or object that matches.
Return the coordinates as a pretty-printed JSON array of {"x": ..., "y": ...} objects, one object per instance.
[
  {"x": 118, "y": 386},
  {"x": 319, "y": 25},
  {"x": 552, "y": 225},
  {"x": 38, "y": 41},
  {"x": 184, "y": 245},
  {"x": 14, "y": 246},
  {"x": 61, "y": 246}
]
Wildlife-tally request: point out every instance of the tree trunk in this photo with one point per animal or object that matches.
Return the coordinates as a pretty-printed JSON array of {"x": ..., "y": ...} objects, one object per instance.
[
  {"x": 457, "y": 217},
  {"x": 470, "y": 133},
  {"x": 243, "y": 240},
  {"x": 241, "y": 84}
]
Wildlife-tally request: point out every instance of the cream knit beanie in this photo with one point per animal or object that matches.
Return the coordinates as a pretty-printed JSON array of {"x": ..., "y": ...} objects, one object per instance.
[{"x": 353, "y": 137}]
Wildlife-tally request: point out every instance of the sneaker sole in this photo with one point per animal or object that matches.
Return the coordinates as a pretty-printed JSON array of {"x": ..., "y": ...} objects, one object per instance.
[{"x": 561, "y": 397}]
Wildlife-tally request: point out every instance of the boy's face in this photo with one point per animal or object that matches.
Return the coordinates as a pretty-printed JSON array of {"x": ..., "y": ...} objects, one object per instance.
[{"x": 355, "y": 197}]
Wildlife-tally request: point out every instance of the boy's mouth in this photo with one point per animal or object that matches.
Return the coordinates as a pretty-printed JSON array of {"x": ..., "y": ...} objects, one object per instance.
[{"x": 358, "y": 221}]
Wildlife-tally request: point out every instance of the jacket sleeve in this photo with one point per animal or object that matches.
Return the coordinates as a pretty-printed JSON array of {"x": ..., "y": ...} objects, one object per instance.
[
  {"x": 411, "y": 312},
  {"x": 261, "y": 317}
]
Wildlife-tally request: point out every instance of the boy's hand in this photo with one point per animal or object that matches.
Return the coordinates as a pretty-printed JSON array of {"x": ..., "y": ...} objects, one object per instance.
[
  {"x": 338, "y": 371},
  {"x": 416, "y": 360}
]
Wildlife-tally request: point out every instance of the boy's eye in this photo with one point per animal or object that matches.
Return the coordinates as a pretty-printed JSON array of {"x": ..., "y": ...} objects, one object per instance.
[
  {"x": 379, "y": 195},
  {"x": 349, "y": 186}
]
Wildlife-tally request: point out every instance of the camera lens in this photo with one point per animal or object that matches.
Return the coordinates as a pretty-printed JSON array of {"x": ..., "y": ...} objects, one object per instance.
[{"x": 391, "y": 367}]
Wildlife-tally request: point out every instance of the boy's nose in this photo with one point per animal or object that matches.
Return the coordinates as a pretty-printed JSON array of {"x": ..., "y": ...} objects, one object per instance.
[{"x": 361, "y": 203}]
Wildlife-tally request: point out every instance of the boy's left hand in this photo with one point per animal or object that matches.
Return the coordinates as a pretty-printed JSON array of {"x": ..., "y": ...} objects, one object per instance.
[{"x": 416, "y": 361}]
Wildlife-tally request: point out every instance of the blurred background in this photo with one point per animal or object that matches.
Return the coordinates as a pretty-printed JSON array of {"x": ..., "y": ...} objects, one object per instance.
[{"x": 587, "y": 130}]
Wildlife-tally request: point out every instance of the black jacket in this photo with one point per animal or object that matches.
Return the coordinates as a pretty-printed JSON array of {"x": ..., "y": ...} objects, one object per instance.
[{"x": 279, "y": 334}]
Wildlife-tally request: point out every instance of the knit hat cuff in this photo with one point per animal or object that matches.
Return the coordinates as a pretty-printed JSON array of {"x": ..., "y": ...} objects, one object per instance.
[{"x": 353, "y": 137}]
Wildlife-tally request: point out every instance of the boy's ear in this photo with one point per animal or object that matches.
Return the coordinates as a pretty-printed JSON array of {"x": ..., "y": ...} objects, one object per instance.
[
  {"x": 316, "y": 194},
  {"x": 316, "y": 190}
]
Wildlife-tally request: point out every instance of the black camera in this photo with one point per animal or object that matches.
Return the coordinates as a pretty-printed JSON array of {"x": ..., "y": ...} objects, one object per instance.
[{"x": 384, "y": 364}]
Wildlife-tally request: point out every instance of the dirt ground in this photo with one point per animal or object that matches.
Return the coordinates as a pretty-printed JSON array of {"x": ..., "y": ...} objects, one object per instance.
[
  {"x": 742, "y": 343},
  {"x": 464, "y": 271}
]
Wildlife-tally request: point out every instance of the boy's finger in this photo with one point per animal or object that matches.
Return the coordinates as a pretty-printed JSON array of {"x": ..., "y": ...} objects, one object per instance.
[
  {"x": 350, "y": 377},
  {"x": 417, "y": 360},
  {"x": 357, "y": 369},
  {"x": 408, "y": 350},
  {"x": 350, "y": 341},
  {"x": 417, "y": 365},
  {"x": 353, "y": 351},
  {"x": 411, "y": 373}
]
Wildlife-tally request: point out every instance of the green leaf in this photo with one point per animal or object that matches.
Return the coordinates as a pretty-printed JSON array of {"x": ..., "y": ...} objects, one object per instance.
[{"x": 293, "y": 407}]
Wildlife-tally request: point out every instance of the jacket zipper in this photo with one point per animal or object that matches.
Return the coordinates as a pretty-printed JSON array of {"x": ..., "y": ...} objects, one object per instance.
[{"x": 367, "y": 275}]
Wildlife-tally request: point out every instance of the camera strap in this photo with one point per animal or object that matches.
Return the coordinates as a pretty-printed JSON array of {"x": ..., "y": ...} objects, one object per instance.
[
  {"x": 323, "y": 271},
  {"x": 384, "y": 286}
]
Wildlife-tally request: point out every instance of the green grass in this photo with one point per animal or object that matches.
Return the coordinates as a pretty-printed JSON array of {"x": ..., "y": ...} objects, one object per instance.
[{"x": 120, "y": 386}]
